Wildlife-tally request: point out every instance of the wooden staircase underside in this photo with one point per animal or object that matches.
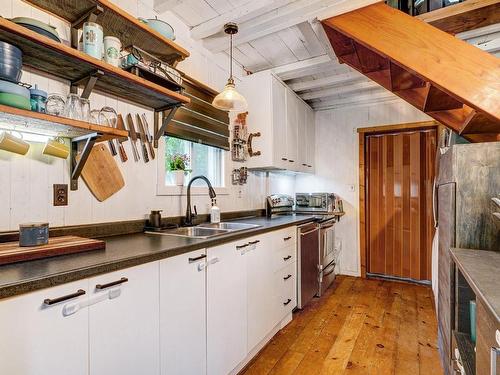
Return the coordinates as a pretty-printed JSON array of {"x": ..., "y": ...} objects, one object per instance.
[{"x": 454, "y": 82}]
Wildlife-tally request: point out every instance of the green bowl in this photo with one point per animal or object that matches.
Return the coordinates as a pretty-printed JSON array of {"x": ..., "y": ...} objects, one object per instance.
[{"x": 14, "y": 100}]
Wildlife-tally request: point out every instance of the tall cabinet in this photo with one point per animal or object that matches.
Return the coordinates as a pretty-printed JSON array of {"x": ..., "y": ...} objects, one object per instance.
[{"x": 285, "y": 122}]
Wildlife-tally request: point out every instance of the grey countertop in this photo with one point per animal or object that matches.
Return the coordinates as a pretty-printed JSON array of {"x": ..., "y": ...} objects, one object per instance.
[
  {"x": 121, "y": 252},
  {"x": 481, "y": 269}
]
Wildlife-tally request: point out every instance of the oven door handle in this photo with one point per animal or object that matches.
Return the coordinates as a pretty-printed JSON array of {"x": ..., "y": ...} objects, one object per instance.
[{"x": 309, "y": 232}]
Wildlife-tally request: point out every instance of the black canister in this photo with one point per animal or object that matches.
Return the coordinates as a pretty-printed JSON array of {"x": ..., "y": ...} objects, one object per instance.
[{"x": 33, "y": 234}]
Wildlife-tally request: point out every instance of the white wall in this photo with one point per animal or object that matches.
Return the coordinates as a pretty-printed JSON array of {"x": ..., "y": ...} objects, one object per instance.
[
  {"x": 26, "y": 181},
  {"x": 337, "y": 163}
]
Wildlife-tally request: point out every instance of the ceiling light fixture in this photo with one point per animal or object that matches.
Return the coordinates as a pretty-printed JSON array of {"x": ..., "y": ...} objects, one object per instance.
[{"x": 230, "y": 99}]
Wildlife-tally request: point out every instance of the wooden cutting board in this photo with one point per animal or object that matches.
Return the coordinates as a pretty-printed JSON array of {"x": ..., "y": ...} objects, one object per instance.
[
  {"x": 101, "y": 173},
  {"x": 11, "y": 252}
]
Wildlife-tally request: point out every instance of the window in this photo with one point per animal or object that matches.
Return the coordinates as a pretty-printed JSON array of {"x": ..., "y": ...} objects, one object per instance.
[{"x": 204, "y": 160}]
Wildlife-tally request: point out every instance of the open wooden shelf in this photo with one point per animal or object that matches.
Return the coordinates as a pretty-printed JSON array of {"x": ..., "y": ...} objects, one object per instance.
[
  {"x": 448, "y": 79},
  {"x": 40, "y": 123},
  {"x": 116, "y": 22},
  {"x": 59, "y": 60}
]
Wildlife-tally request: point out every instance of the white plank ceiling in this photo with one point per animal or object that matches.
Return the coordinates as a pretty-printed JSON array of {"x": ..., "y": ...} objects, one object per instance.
[{"x": 284, "y": 35}]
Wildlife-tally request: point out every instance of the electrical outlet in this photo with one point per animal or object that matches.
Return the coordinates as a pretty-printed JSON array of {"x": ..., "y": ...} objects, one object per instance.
[{"x": 60, "y": 194}]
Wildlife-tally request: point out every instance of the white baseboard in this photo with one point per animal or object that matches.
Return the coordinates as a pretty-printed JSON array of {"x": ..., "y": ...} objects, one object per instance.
[
  {"x": 261, "y": 344},
  {"x": 350, "y": 273}
]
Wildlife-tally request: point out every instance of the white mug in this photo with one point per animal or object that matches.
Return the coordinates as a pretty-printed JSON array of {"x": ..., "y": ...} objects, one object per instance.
[{"x": 112, "y": 48}]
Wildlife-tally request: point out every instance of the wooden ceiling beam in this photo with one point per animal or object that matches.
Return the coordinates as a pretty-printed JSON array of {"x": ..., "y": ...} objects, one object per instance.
[
  {"x": 327, "y": 81},
  {"x": 281, "y": 18},
  {"x": 340, "y": 90},
  {"x": 469, "y": 15}
]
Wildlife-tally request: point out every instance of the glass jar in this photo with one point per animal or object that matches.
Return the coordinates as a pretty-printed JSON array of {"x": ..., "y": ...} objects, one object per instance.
[
  {"x": 108, "y": 117},
  {"x": 55, "y": 104},
  {"x": 73, "y": 108},
  {"x": 85, "y": 104}
]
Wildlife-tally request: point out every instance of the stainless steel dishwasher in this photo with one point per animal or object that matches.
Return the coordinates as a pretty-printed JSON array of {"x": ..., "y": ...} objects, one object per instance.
[{"x": 307, "y": 263}]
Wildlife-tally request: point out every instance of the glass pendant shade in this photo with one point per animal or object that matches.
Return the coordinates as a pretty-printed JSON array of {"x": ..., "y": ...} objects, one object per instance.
[{"x": 230, "y": 99}]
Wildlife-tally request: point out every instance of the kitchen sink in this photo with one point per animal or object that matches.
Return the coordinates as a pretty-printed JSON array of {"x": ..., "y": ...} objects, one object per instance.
[
  {"x": 229, "y": 226},
  {"x": 206, "y": 230}
]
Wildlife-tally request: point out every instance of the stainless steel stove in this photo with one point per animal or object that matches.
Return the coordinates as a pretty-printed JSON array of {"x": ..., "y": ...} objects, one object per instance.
[{"x": 317, "y": 257}]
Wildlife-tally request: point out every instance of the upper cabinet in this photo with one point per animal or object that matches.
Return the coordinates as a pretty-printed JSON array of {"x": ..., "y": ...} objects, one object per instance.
[{"x": 285, "y": 123}]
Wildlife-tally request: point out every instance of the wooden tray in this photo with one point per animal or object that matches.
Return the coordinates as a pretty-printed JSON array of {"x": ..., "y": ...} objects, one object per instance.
[{"x": 11, "y": 252}]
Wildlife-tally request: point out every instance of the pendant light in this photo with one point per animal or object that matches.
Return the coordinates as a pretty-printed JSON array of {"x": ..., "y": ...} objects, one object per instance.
[{"x": 230, "y": 99}]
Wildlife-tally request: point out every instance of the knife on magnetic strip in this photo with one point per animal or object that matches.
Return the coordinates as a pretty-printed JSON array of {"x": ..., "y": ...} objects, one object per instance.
[
  {"x": 133, "y": 137},
  {"x": 143, "y": 126},
  {"x": 121, "y": 126},
  {"x": 139, "y": 134}
]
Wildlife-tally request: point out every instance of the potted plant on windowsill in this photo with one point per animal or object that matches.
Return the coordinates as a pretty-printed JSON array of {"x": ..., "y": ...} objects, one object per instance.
[{"x": 177, "y": 164}]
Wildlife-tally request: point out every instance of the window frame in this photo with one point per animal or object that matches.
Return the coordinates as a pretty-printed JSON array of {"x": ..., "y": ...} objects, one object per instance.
[{"x": 172, "y": 190}]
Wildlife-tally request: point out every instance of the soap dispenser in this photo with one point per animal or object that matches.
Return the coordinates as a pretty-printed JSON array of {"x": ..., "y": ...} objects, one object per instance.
[{"x": 214, "y": 212}]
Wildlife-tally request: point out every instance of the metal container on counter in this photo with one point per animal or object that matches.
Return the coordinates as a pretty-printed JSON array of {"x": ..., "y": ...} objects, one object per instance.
[{"x": 33, "y": 234}]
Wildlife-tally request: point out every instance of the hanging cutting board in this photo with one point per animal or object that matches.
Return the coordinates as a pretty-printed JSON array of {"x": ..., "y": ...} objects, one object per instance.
[
  {"x": 11, "y": 252},
  {"x": 101, "y": 173}
]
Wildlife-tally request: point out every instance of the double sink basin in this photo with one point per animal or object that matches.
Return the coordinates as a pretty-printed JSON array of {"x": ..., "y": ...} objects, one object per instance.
[{"x": 207, "y": 230}]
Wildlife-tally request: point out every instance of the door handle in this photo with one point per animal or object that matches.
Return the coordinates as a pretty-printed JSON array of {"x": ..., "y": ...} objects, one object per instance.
[
  {"x": 239, "y": 247},
  {"x": 287, "y": 238},
  {"x": 192, "y": 260},
  {"x": 309, "y": 232},
  {"x": 254, "y": 242},
  {"x": 287, "y": 277},
  {"x": 287, "y": 302},
  {"x": 53, "y": 301},
  {"x": 113, "y": 283},
  {"x": 434, "y": 203},
  {"x": 495, "y": 352},
  {"x": 287, "y": 257}
]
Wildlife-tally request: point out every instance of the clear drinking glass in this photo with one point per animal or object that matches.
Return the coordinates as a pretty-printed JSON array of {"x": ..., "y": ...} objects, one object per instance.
[
  {"x": 108, "y": 117},
  {"x": 94, "y": 116},
  {"x": 73, "y": 109},
  {"x": 85, "y": 104},
  {"x": 55, "y": 105}
]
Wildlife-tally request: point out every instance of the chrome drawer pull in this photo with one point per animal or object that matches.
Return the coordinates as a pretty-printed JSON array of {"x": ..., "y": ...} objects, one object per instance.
[
  {"x": 287, "y": 277},
  {"x": 53, "y": 301},
  {"x": 113, "y": 283},
  {"x": 287, "y": 302}
]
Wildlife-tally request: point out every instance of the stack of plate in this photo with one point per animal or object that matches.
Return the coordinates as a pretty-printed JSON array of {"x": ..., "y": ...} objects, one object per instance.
[
  {"x": 14, "y": 95},
  {"x": 38, "y": 27}
]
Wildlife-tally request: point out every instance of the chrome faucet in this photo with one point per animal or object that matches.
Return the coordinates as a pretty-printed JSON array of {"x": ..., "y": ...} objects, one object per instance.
[{"x": 188, "y": 220}]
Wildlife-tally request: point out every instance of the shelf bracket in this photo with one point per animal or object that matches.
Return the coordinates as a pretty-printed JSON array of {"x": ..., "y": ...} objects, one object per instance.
[
  {"x": 165, "y": 119},
  {"x": 88, "y": 16},
  {"x": 86, "y": 142},
  {"x": 89, "y": 82}
]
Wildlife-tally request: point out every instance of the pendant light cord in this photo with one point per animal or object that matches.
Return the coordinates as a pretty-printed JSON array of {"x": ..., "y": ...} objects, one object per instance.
[{"x": 231, "y": 57}]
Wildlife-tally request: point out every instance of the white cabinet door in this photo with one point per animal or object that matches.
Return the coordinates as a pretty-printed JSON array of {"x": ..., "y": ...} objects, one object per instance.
[
  {"x": 182, "y": 314},
  {"x": 41, "y": 339},
  {"x": 226, "y": 308},
  {"x": 260, "y": 279},
  {"x": 302, "y": 146},
  {"x": 311, "y": 139},
  {"x": 279, "y": 123},
  {"x": 291, "y": 128},
  {"x": 124, "y": 326}
]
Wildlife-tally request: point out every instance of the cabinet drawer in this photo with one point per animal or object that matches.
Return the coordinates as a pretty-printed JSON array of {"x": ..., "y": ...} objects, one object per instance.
[
  {"x": 284, "y": 257},
  {"x": 286, "y": 284},
  {"x": 285, "y": 238}
]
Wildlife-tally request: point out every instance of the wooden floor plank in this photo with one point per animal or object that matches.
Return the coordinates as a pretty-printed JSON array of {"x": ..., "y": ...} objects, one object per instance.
[{"x": 360, "y": 326}]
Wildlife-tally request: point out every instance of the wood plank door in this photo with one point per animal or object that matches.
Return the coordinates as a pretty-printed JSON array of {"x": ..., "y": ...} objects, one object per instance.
[{"x": 400, "y": 169}]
